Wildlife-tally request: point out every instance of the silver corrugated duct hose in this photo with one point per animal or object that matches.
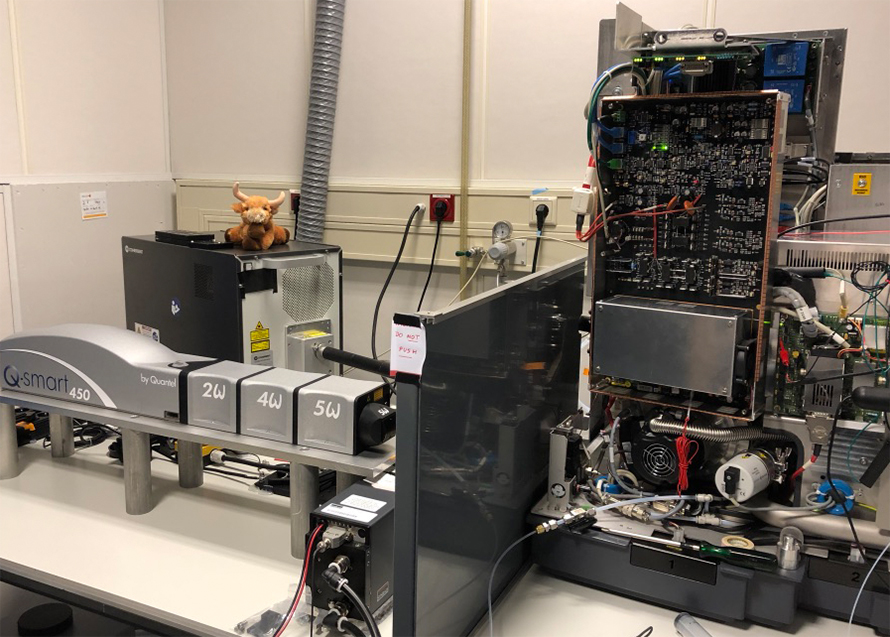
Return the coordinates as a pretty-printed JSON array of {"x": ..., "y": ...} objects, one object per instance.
[
  {"x": 320, "y": 121},
  {"x": 666, "y": 425}
]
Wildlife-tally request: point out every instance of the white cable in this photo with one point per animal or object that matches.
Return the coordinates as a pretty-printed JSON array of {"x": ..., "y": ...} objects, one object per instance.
[
  {"x": 862, "y": 588},
  {"x": 837, "y": 338},
  {"x": 810, "y": 204},
  {"x": 472, "y": 276},
  {"x": 571, "y": 243}
]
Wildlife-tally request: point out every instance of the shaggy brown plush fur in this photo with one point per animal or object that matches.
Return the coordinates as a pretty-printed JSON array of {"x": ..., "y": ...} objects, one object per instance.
[{"x": 257, "y": 230}]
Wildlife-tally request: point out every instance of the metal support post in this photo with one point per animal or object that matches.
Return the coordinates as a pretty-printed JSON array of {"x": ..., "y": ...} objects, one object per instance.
[
  {"x": 191, "y": 464},
  {"x": 61, "y": 435},
  {"x": 346, "y": 480},
  {"x": 137, "y": 471},
  {"x": 303, "y": 501},
  {"x": 9, "y": 446}
]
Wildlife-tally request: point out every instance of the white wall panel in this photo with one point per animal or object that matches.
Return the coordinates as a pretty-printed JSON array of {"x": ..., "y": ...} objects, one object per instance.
[
  {"x": 10, "y": 149},
  {"x": 237, "y": 76},
  {"x": 399, "y": 104},
  {"x": 541, "y": 62},
  {"x": 93, "y": 88},
  {"x": 70, "y": 270},
  {"x": 864, "y": 124}
]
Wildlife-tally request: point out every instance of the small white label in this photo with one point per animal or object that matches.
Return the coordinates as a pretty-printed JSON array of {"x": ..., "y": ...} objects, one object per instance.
[
  {"x": 151, "y": 332},
  {"x": 407, "y": 349},
  {"x": 386, "y": 483},
  {"x": 349, "y": 513},
  {"x": 363, "y": 503},
  {"x": 93, "y": 205}
]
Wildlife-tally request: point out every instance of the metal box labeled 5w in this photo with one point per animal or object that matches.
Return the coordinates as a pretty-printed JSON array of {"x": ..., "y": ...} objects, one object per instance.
[{"x": 328, "y": 412}]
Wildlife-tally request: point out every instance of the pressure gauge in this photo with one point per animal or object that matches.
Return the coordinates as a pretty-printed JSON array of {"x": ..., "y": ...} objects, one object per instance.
[{"x": 501, "y": 231}]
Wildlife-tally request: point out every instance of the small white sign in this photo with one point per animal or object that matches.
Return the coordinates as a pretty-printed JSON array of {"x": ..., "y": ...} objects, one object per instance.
[
  {"x": 407, "y": 349},
  {"x": 387, "y": 482},
  {"x": 93, "y": 205},
  {"x": 363, "y": 503},
  {"x": 348, "y": 513}
]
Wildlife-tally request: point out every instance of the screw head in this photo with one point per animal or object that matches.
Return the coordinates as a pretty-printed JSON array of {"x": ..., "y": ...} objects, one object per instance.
[{"x": 597, "y": 368}]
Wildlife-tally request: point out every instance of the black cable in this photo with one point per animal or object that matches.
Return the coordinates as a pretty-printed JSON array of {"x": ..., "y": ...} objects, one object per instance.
[
  {"x": 225, "y": 472},
  {"x": 312, "y": 592},
  {"x": 535, "y": 258},
  {"x": 362, "y": 609},
  {"x": 825, "y": 221},
  {"x": 813, "y": 381},
  {"x": 258, "y": 465},
  {"x": 429, "y": 274},
  {"x": 392, "y": 271},
  {"x": 350, "y": 628},
  {"x": 292, "y": 607},
  {"x": 833, "y": 493},
  {"x": 882, "y": 268}
]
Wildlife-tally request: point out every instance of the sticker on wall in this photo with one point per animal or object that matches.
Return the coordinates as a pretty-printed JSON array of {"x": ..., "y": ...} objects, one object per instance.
[{"x": 93, "y": 205}]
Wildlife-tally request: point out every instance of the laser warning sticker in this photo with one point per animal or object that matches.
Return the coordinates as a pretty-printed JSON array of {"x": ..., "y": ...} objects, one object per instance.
[
  {"x": 259, "y": 333},
  {"x": 861, "y": 184},
  {"x": 259, "y": 346}
]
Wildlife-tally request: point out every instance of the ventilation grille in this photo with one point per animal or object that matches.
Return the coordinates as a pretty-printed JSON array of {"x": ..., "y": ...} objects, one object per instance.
[
  {"x": 308, "y": 292},
  {"x": 659, "y": 460},
  {"x": 852, "y": 454},
  {"x": 823, "y": 395},
  {"x": 839, "y": 260},
  {"x": 203, "y": 282}
]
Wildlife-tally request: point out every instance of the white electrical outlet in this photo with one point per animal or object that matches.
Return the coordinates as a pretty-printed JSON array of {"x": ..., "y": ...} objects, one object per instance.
[{"x": 536, "y": 200}]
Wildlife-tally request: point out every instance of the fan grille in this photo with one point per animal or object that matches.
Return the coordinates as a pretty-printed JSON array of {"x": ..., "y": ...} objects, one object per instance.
[
  {"x": 308, "y": 292},
  {"x": 659, "y": 460}
]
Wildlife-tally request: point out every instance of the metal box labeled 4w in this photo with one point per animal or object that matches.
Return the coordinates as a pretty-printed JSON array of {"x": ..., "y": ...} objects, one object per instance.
[{"x": 268, "y": 403}]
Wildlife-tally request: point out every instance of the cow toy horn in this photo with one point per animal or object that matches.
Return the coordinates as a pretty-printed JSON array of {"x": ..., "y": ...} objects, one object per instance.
[{"x": 240, "y": 196}]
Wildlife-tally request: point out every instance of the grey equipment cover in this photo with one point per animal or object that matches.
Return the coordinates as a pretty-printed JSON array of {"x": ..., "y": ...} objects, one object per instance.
[{"x": 95, "y": 365}]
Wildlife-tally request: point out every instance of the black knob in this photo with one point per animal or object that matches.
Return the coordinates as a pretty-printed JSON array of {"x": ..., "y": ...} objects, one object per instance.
[{"x": 872, "y": 398}]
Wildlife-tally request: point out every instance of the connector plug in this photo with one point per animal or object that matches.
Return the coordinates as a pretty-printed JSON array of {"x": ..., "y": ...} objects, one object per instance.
[{"x": 582, "y": 200}]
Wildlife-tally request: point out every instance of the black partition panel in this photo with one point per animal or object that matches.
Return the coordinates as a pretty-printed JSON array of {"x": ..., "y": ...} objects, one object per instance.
[{"x": 501, "y": 370}]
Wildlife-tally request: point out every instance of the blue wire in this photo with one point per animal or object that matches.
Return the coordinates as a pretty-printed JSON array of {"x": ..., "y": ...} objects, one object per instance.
[{"x": 853, "y": 442}]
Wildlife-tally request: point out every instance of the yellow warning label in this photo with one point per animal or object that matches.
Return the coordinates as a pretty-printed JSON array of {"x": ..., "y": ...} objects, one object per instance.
[
  {"x": 259, "y": 346},
  {"x": 259, "y": 326},
  {"x": 378, "y": 394},
  {"x": 313, "y": 334},
  {"x": 259, "y": 335},
  {"x": 861, "y": 183}
]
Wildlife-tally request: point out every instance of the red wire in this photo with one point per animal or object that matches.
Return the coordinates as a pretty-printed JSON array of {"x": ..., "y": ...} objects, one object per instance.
[
  {"x": 296, "y": 603},
  {"x": 684, "y": 445}
]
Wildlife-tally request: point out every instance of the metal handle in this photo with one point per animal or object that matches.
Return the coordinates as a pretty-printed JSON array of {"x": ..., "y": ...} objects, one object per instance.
[{"x": 283, "y": 263}]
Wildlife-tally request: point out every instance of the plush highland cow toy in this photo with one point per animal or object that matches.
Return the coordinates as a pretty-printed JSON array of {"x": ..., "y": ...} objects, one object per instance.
[{"x": 257, "y": 231}]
